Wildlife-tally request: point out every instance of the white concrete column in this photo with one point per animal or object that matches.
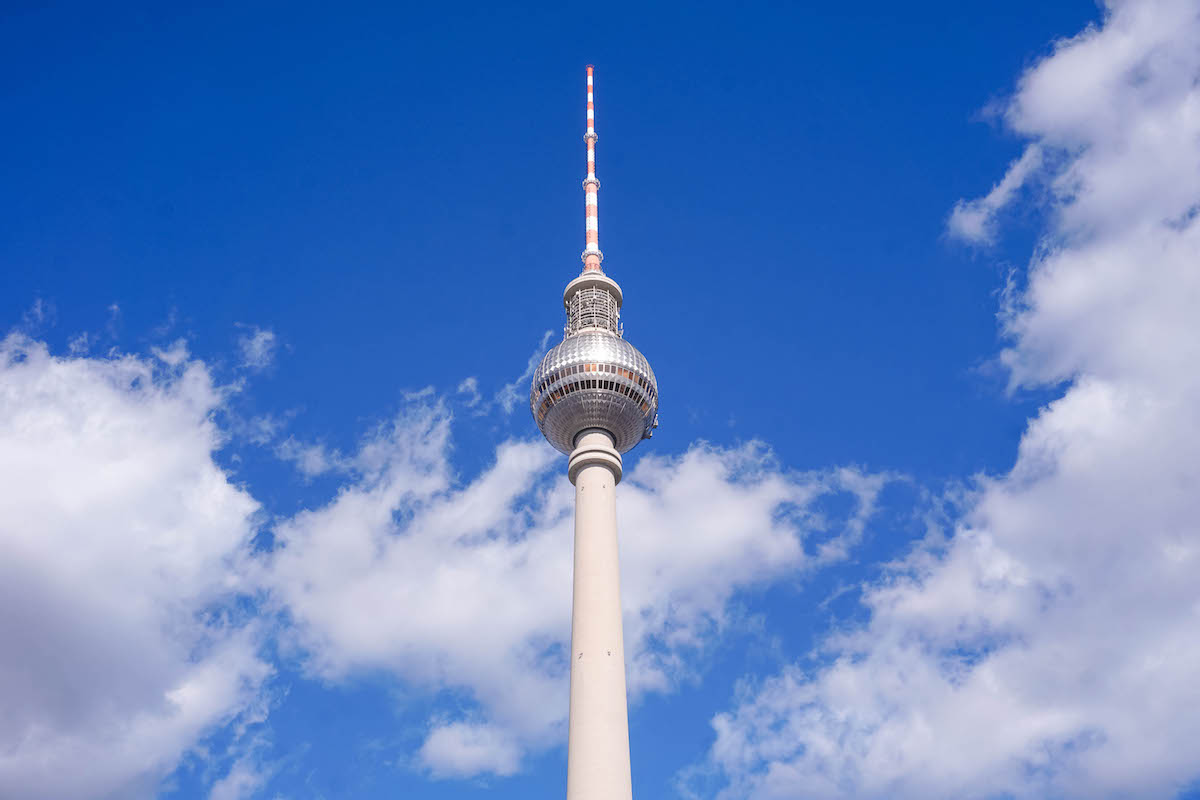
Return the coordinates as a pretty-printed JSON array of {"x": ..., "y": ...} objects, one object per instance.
[{"x": 598, "y": 744}]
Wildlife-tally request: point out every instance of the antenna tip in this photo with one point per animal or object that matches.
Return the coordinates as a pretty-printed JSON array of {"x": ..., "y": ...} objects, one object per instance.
[{"x": 590, "y": 68}]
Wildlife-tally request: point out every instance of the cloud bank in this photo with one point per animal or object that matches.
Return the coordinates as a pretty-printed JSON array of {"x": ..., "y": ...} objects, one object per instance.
[
  {"x": 136, "y": 610},
  {"x": 467, "y": 587},
  {"x": 124, "y": 549},
  {"x": 1048, "y": 647}
]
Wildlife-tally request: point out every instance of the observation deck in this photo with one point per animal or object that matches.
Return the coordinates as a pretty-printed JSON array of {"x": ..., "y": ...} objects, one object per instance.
[{"x": 594, "y": 378}]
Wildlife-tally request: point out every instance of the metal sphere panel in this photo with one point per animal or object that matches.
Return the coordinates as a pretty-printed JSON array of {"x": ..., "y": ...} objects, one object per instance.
[{"x": 594, "y": 380}]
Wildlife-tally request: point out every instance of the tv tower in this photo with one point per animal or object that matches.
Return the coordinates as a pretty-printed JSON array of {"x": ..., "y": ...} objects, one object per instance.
[{"x": 595, "y": 397}]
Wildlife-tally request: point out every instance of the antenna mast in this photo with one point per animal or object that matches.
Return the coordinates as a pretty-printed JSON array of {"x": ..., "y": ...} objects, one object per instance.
[{"x": 591, "y": 254}]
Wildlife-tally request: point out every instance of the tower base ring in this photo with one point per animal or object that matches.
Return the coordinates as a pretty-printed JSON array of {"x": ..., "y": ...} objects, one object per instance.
[{"x": 594, "y": 453}]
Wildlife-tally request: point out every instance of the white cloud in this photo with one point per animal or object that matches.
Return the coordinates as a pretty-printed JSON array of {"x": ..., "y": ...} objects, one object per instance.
[
  {"x": 460, "y": 748},
  {"x": 472, "y": 582},
  {"x": 508, "y": 396},
  {"x": 707, "y": 523},
  {"x": 261, "y": 429},
  {"x": 470, "y": 388},
  {"x": 312, "y": 459},
  {"x": 112, "y": 325},
  {"x": 513, "y": 393},
  {"x": 257, "y": 348},
  {"x": 173, "y": 356},
  {"x": 1049, "y": 648},
  {"x": 973, "y": 221},
  {"x": 42, "y": 314},
  {"x": 121, "y": 542},
  {"x": 79, "y": 344},
  {"x": 247, "y": 775}
]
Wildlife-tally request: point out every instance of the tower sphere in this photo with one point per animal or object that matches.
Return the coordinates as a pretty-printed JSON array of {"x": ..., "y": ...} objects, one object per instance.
[{"x": 594, "y": 378}]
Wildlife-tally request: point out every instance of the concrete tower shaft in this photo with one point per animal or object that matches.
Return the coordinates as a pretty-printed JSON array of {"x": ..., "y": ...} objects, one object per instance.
[{"x": 598, "y": 735}]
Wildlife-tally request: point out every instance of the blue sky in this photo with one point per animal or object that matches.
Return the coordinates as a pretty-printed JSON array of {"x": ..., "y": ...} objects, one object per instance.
[{"x": 917, "y": 286}]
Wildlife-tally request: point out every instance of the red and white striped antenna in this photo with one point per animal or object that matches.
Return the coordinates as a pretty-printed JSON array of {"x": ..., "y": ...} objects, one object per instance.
[{"x": 591, "y": 254}]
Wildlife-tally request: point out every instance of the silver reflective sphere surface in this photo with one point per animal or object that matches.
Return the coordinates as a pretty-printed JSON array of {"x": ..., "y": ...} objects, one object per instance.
[{"x": 594, "y": 379}]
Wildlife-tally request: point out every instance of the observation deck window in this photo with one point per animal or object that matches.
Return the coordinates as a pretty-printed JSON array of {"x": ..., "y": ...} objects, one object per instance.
[{"x": 593, "y": 307}]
